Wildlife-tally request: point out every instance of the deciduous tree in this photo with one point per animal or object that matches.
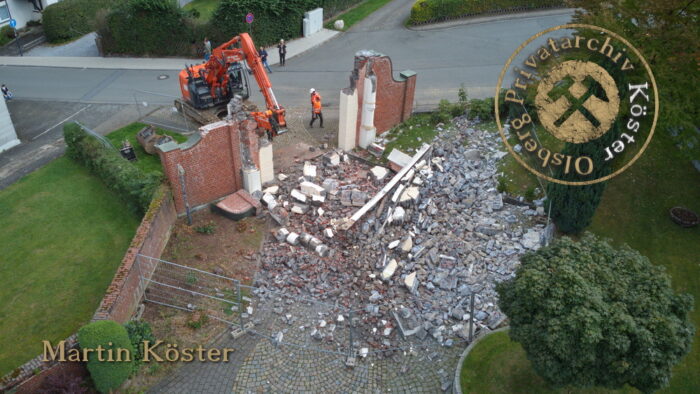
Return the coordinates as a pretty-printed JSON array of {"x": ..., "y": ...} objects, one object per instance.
[{"x": 588, "y": 314}]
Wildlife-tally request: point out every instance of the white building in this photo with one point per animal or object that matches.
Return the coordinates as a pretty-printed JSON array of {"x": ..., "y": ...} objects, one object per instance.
[
  {"x": 8, "y": 137},
  {"x": 22, "y": 11}
]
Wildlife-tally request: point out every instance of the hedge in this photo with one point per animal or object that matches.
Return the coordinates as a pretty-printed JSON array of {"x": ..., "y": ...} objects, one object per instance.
[
  {"x": 133, "y": 185},
  {"x": 436, "y": 10},
  {"x": 107, "y": 375},
  {"x": 274, "y": 20},
  {"x": 70, "y": 19}
]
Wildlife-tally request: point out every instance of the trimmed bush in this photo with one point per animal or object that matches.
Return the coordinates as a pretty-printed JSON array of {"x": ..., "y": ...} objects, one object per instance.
[
  {"x": 107, "y": 375},
  {"x": 436, "y": 10},
  {"x": 150, "y": 28},
  {"x": 274, "y": 20},
  {"x": 70, "y": 19},
  {"x": 133, "y": 185}
]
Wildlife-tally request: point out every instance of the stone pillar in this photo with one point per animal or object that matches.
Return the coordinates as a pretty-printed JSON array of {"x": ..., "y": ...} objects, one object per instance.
[
  {"x": 367, "y": 131},
  {"x": 8, "y": 136},
  {"x": 267, "y": 170},
  {"x": 347, "y": 127}
]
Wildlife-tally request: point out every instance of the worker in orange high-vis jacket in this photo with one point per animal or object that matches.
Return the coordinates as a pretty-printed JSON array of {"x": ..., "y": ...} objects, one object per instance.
[{"x": 315, "y": 107}]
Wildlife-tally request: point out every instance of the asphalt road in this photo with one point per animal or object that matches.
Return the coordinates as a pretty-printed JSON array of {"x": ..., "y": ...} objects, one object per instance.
[{"x": 444, "y": 58}]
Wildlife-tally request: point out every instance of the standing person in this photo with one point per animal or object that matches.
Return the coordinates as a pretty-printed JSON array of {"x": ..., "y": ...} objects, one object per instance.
[
  {"x": 315, "y": 107},
  {"x": 282, "y": 48},
  {"x": 263, "y": 56},
  {"x": 6, "y": 94},
  {"x": 207, "y": 49}
]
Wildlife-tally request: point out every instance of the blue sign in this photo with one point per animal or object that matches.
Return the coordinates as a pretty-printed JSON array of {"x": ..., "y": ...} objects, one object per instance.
[
  {"x": 249, "y": 18},
  {"x": 13, "y": 23}
]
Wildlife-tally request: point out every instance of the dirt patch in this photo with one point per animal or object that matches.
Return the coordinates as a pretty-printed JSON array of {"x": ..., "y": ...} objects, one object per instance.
[
  {"x": 230, "y": 250},
  {"x": 212, "y": 243}
]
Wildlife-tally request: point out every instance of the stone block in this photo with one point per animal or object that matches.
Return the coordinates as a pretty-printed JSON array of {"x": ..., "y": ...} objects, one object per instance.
[
  {"x": 331, "y": 186},
  {"x": 398, "y": 159},
  {"x": 309, "y": 170},
  {"x": 312, "y": 189},
  {"x": 297, "y": 195},
  {"x": 379, "y": 173},
  {"x": 293, "y": 238},
  {"x": 411, "y": 282},
  {"x": 332, "y": 159},
  {"x": 389, "y": 270},
  {"x": 328, "y": 233}
]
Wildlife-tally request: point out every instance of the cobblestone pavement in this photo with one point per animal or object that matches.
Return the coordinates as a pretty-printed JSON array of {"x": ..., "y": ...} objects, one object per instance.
[
  {"x": 293, "y": 370},
  {"x": 199, "y": 377}
]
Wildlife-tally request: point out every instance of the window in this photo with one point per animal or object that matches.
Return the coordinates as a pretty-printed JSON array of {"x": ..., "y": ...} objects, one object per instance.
[{"x": 4, "y": 11}]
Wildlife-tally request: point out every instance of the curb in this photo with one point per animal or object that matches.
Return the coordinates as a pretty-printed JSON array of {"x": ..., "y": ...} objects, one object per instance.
[
  {"x": 484, "y": 17},
  {"x": 456, "y": 388}
]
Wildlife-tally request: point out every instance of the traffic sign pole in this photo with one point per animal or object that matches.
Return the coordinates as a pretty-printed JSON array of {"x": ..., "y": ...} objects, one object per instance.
[{"x": 13, "y": 25}]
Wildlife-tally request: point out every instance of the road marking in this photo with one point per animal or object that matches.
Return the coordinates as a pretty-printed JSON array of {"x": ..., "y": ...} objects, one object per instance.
[{"x": 61, "y": 122}]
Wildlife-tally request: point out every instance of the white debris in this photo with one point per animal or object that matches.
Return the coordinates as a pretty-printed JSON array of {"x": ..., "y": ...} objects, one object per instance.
[
  {"x": 309, "y": 170},
  {"x": 272, "y": 189},
  {"x": 411, "y": 282},
  {"x": 296, "y": 194},
  {"x": 312, "y": 189},
  {"x": 328, "y": 233},
  {"x": 394, "y": 244},
  {"x": 389, "y": 270},
  {"x": 379, "y": 173}
]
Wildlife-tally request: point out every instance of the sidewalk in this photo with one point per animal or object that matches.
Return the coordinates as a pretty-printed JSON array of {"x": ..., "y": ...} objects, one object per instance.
[{"x": 294, "y": 48}]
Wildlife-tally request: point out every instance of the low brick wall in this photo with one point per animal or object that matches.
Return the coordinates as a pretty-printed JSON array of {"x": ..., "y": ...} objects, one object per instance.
[
  {"x": 121, "y": 298},
  {"x": 124, "y": 293}
]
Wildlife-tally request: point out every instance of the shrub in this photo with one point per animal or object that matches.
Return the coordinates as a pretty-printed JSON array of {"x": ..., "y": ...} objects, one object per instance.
[
  {"x": 197, "y": 320},
  {"x": 588, "y": 314},
  {"x": 6, "y": 34},
  {"x": 107, "y": 375},
  {"x": 149, "y": 27},
  {"x": 273, "y": 19},
  {"x": 133, "y": 185},
  {"x": 139, "y": 331},
  {"x": 435, "y": 10},
  {"x": 69, "y": 19}
]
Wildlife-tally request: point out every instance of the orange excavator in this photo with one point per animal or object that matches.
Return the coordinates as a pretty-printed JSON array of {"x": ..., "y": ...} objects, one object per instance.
[{"x": 211, "y": 85}]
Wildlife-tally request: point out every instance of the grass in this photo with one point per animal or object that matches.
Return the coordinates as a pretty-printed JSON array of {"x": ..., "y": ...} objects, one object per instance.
[
  {"x": 634, "y": 210},
  {"x": 483, "y": 370},
  {"x": 63, "y": 235},
  {"x": 357, "y": 13},
  {"x": 410, "y": 135},
  {"x": 205, "y": 8},
  {"x": 146, "y": 162}
]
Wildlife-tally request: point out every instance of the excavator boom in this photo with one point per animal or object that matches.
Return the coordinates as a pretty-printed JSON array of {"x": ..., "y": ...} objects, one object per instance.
[{"x": 213, "y": 83}]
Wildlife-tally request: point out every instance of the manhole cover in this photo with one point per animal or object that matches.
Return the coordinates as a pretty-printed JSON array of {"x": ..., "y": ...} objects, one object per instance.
[{"x": 163, "y": 76}]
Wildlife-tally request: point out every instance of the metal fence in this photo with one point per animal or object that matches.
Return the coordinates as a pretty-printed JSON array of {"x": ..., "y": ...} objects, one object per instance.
[{"x": 290, "y": 320}]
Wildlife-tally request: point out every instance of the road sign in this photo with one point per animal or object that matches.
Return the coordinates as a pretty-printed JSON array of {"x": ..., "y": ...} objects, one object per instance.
[
  {"x": 249, "y": 18},
  {"x": 13, "y": 23}
]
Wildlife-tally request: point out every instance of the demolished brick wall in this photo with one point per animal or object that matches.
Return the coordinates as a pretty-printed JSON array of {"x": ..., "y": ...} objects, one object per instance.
[
  {"x": 212, "y": 161},
  {"x": 394, "y": 97}
]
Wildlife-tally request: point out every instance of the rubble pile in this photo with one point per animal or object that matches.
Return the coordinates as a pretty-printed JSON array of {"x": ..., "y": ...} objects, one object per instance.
[{"x": 410, "y": 265}]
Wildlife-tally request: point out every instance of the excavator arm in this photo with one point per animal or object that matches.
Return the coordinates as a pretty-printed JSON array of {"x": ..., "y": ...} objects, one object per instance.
[
  {"x": 274, "y": 117},
  {"x": 215, "y": 73}
]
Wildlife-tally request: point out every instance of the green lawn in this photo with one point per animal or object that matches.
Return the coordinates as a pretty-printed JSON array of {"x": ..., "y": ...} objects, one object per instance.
[
  {"x": 206, "y": 8},
  {"x": 357, "y": 13},
  {"x": 634, "y": 210},
  {"x": 410, "y": 135},
  {"x": 63, "y": 235},
  {"x": 483, "y": 370},
  {"x": 146, "y": 162}
]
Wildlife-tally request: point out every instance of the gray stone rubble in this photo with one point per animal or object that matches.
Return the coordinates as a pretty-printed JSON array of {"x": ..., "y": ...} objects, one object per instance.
[{"x": 409, "y": 265}]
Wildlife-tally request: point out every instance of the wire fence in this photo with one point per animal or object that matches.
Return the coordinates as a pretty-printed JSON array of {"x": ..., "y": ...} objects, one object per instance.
[{"x": 302, "y": 322}]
